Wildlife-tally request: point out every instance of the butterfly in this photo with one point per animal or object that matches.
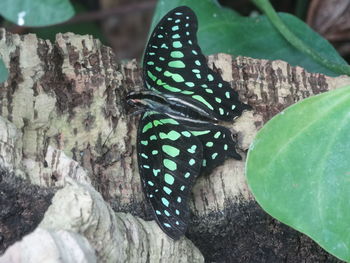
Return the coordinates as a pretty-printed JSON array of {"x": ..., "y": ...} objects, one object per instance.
[{"x": 178, "y": 137}]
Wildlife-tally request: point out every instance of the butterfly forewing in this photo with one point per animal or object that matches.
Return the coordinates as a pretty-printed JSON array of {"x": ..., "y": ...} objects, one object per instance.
[
  {"x": 169, "y": 158},
  {"x": 174, "y": 64}
]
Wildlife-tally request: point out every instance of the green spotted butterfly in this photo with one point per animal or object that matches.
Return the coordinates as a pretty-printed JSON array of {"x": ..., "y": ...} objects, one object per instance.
[{"x": 178, "y": 137}]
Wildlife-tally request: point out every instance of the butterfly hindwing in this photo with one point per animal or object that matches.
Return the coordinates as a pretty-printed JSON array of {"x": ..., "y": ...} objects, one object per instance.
[
  {"x": 175, "y": 66},
  {"x": 217, "y": 141},
  {"x": 170, "y": 159}
]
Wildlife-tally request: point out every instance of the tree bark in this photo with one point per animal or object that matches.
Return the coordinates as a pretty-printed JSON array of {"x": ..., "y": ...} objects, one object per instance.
[{"x": 72, "y": 130}]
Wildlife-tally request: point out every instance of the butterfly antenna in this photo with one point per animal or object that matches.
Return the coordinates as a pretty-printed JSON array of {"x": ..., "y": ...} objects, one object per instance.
[
  {"x": 103, "y": 145},
  {"x": 137, "y": 112}
]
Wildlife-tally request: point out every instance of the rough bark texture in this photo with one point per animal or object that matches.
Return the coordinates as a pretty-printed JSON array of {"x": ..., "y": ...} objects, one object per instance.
[{"x": 72, "y": 130}]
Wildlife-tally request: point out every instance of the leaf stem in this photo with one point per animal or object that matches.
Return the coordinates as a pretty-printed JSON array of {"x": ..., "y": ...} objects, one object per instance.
[{"x": 267, "y": 9}]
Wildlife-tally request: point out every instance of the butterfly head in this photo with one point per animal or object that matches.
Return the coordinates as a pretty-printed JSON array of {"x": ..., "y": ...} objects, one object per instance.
[
  {"x": 135, "y": 100},
  {"x": 146, "y": 100}
]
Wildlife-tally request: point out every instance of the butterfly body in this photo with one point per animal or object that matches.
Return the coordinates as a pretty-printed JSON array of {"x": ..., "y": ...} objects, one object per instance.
[
  {"x": 174, "y": 107},
  {"x": 178, "y": 134}
]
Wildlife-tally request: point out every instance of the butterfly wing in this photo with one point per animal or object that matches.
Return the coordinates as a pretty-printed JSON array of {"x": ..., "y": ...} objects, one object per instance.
[
  {"x": 175, "y": 66},
  {"x": 170, "y": 159},
  {"x": 217, "y": 141}
]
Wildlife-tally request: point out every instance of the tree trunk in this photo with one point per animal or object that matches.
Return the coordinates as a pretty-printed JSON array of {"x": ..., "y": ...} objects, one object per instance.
[{"x": 66, "y": 128}]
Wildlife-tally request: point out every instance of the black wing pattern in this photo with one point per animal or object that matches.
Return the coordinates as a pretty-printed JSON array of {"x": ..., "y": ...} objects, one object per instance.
[
  {"x": 174, "y": 63},
  {"x": 170, "y": 159},
  {"x": 217, "y": 141}
]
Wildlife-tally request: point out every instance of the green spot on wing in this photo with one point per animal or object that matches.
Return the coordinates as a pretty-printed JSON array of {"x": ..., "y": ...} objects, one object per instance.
[
  {"x": 167, "y": 190},
  {"x": 172, "y": 89},
  {"x": 156, "y": 123},
  {"x": 176, "y": 77},
  {"x": 169, "y": 179},
  {"x": 147, "y": 127},
  {"x": 169, "y": 164},
  {"x": 166, "y": 213},
  {"x": 190, "y": 84},
  {"x": 187, "y": 92},
  {"x": 217, "y": 134},
  {"x": 176, "y": 64},
  {"x": 170, "y": 150},
  {"x": 166, "y": 86},
  {"x": 209, "y": 144},
  {"x": 201, "y": 99},
  {"x": 165, "y": 201},
  {"x": 170, "y": 121},
  {"x": 192, "y": 149},
  {"x": 192, "y": 162},
  {"x": 197, "y": 133},
  {"x": 172, "y": 135},
  {"x": 186, "y": 134},
  {"x": 177, "y": 54},
  {"x": 152, "y": 77},
  {"x": 177, "y": 44},
  {"x": 156, "y": 172}
]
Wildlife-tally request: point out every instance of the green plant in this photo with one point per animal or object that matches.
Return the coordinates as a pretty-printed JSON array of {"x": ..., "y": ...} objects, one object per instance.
[
  {"x": 223, "y": 30},
  {"x": 298, "y": 169},
  {"x": 33, "y": 13}
]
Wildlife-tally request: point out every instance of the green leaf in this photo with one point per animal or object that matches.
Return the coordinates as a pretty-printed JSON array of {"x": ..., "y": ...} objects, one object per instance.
[
  {"x": 298, "y": 168},
  {"x": 222, "y": 30},
  {"x": 36, "y": 12},
  {"x": 84, "y": 28},
  {"x": 3, "y": 72}
]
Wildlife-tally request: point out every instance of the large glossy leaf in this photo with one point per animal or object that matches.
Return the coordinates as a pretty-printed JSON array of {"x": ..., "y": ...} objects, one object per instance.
[
  {"x": 298, "y": 169},
  {"x": 3, "y": 71},
  {"x": 36, "y": 12},
  {"x": 222, "y": 30},
  {"x": 83, "y": 28}
]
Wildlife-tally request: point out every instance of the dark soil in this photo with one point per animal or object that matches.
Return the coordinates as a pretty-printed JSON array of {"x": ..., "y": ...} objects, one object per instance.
[
  {"x": 245, "y": 233},
  {"x": 22, "y": 207}
]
